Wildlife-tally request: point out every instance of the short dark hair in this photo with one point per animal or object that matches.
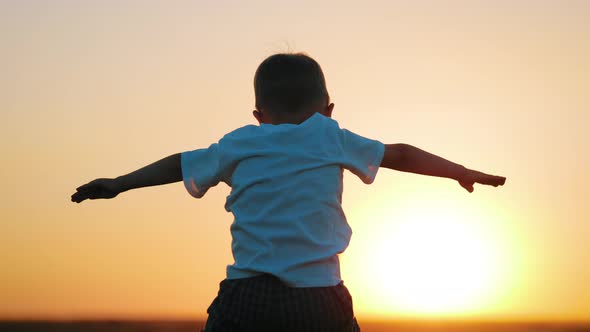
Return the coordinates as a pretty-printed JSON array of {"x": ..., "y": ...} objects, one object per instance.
[{"x": 289, "y": 82}]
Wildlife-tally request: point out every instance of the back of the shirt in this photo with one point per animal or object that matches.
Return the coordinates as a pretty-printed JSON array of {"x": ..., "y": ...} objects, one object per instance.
[{"x": 286, "y": 195}]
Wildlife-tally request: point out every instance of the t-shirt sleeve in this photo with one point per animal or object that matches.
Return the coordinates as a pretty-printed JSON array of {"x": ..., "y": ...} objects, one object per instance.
[
  {"x": 201, "y": 170},
  {"x": 362, "y": 156}
]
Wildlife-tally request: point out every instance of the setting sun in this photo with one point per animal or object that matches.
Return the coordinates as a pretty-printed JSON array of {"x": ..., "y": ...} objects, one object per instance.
[{"x": 438, "y": 259}]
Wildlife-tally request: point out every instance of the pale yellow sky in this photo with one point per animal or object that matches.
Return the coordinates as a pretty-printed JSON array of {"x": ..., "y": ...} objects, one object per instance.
[{"x": 100, "y": 88}]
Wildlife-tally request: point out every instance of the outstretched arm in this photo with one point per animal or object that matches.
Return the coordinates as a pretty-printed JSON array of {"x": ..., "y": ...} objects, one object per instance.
[
  {"x": 407, "y": 158},
  {"x": 166, "y": 170}
]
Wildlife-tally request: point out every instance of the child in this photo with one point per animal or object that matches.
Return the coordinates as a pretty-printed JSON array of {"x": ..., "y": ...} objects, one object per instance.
[{"x": 286, "y": 180}]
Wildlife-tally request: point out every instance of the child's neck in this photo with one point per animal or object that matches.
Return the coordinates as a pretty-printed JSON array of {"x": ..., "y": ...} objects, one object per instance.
[{"x": 297, "y": 118}]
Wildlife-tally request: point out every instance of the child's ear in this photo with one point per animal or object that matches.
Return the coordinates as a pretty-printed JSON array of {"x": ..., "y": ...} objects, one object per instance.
[
  {"x": 258, "y": 115},
  {"x": 328, "y": 110}
]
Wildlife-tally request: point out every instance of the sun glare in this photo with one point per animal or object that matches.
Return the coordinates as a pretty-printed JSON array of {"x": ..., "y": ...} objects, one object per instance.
[{"x": 435, "y": 262}]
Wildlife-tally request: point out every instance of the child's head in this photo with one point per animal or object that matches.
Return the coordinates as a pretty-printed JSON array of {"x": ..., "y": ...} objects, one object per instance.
[{"x": 289, "y": 88}]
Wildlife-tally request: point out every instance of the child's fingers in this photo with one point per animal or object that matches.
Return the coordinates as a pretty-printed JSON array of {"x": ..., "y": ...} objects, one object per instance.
[
  {"x": 497, "y": 180},
  {"x": 84, "y": 187},
  {"x": 79, "y": 196},
  {"x": 467, "y": 186},
  {"x": 84, "y": 192},
  {"x": 87, "y": 185},
  {"x": 491, "y": 180}
]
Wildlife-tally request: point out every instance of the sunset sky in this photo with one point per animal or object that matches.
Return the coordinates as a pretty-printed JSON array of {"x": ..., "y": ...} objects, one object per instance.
[{"x": 93, "y": 89}]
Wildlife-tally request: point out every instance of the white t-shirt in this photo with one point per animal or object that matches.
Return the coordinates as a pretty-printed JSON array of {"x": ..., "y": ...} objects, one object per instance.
[{"x": 286, "y": 195}]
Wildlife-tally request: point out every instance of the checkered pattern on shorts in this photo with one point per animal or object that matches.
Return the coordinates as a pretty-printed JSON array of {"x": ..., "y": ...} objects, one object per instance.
[{"x": 264, "y": 303}]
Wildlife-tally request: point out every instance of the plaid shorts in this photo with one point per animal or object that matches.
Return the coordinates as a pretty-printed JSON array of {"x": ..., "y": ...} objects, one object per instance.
[{"x": 265, "y": 303}]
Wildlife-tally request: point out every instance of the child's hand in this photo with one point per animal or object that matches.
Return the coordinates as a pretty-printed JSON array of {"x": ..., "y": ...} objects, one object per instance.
[
  {"x": 470, "y": 177},
  {"x": 99, "y": 188}
]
